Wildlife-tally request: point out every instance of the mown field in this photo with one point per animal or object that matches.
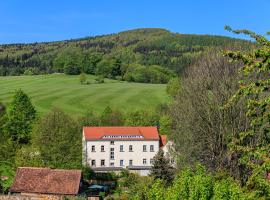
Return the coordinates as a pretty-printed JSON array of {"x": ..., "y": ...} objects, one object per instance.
[{"x": 65, "y": 92}]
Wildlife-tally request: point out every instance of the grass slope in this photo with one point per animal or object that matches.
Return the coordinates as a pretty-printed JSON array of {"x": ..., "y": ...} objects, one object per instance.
[{"x": 65, "y": 92}]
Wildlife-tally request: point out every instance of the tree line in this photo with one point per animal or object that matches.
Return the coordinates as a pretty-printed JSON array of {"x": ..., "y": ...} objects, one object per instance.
[{"x": 155, "y": 53}]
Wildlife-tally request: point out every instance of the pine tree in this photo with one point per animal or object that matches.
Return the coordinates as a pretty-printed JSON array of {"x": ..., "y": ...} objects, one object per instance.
[
  {"x": 161, "y": 168},
  {"x": 21, "y": 117}
]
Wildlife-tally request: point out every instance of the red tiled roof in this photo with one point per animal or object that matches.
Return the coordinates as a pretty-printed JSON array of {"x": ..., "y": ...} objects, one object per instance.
[
  {"x": 46, "y": 181},
  {"x": 163, "y": 140},
  {"x": 97, "y": 133}
]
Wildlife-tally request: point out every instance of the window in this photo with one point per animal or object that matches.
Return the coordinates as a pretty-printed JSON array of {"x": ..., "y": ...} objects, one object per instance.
[
  {"x": 93, "y": 149},
  {"x": 121, "y": 162},
  {"x": 144, "y": 161},
  {"x": 112, "y": 164},
  {"x": 102, "y": 163},
  {"x": 144, "y": 148},
  {"x": 112, "y": 149},
  {"x": 112, "y": 142},
  {"x": 151, "y": 161},
  {"x": 130, "y": 162},
  {"x": 112, "y": 155},
  {"x": 93, "y": 162},
  {"x": 151, "y": 148},
  {"x": 130, "y": 148},
  {"x": 121, "y": 148},
  {"x": 102, "y": 148}
]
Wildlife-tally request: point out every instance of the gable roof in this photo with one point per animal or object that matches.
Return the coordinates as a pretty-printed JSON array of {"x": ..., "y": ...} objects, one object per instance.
[
  {"x": 46, "y": 181},
  {"x": 121, "y": 133},
  {"x": 163, "y": 140}
]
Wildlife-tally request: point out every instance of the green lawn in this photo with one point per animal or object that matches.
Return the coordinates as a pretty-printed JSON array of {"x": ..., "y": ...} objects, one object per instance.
[{"x": 65, "y": 92}]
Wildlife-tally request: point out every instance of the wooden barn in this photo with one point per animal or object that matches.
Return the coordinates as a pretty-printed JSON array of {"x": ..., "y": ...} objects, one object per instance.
[{"x": 46, "y": 182}]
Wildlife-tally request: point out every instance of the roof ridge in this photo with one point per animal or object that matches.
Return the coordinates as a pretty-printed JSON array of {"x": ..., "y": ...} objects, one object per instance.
[{"x": 47, "y": 168}]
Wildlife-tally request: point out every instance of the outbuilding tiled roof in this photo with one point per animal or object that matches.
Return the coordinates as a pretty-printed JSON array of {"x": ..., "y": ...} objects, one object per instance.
[
  {"x": 46, "y": 181},
  {"x": 121, "y": 133}
]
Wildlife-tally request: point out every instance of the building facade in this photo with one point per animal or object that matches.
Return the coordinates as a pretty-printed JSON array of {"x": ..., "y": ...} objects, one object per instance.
[{"x": 116, "y": 148}]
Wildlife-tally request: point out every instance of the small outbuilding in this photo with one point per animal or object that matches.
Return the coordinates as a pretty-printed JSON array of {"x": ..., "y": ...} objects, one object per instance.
[{"x": 42, "y": 182}]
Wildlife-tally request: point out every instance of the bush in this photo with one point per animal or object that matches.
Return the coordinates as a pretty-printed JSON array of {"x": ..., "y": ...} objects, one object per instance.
[
  {"x": 187, "y": 185},
  {"x": 99, "y": 79},
  {"x": 6, "y": 176},
  {"x": 227, "y": 189},
  {"x": 87, "y": 173}
]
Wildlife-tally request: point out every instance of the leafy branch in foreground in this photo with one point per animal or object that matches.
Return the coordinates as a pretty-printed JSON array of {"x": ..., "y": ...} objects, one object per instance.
[{"x": 253, "y": 145}]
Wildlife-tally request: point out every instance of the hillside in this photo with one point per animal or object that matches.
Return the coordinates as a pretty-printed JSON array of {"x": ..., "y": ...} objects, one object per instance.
[
  {"x": 65, "y": 92},
  {"x": 126, "y": 55}
]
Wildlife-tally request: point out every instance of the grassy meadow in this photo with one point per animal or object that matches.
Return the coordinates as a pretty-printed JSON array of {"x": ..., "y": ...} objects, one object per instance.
[{"x": 65, "y": 92}]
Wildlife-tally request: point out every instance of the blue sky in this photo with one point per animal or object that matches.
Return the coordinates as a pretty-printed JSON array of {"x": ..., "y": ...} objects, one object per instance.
[{"x": 50, "y": 20}]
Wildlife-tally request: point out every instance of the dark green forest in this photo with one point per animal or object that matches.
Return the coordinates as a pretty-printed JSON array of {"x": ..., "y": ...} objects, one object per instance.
[{"x": 140, "y": 55}]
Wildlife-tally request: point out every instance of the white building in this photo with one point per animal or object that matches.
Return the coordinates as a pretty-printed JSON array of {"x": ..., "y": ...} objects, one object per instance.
[{"x": 115, "y": 148}]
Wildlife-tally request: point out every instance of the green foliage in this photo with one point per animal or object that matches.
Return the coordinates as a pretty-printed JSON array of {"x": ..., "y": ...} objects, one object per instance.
[
  {"x": 141, "y": 118},
  {"x": 71, "y": 69},
  {"x": 82, "y": 78},
  {"x": 188, "y": 185},
  {"x": 28, "y": 72},
  {"x": 157, "y": 191},
  {"x": 109, "y": 68},
  {"x": 201, "y": 129},
  {"x": 89, "y": 119},
  {"x": 228, "y": 189},
  {"x": 165, "y": 125},
  {"x": 111, "y": 117},
  {"x": 251, "y": 146},
  {"x": 147, "y": 74},
  {"x": 201, "y": 186},
  {"x": 21, "y": 116},
  {"x": 28, "y": 156},
  {"x": 173, "y": 87},
  {"x": 58, "y": 138},
  {"x": 161, "y": 168},
  {"x": 6, "y": 176},
  {"x": 87, "y": 173},
  {"x": 138, "y": 187},
  {"x": 99, "y": 79},
  {"x": 109, "y": 55}
]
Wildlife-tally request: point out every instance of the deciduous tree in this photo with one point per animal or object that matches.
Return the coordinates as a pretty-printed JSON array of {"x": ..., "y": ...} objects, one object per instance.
[{"x": 58, "y": 138}]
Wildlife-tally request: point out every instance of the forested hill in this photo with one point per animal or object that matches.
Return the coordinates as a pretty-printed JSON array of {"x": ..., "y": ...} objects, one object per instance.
[{"x": 140, "y": 55}]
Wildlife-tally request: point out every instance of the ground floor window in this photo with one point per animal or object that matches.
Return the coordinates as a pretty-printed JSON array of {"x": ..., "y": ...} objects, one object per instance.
[
  {"x": 130, "y": 162},
  {"x": 102, "y": 162},
  {"x": 144, "y": 161},
  {"x": 121, "y": 162},
  {"x": 93, "y": 162}
]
